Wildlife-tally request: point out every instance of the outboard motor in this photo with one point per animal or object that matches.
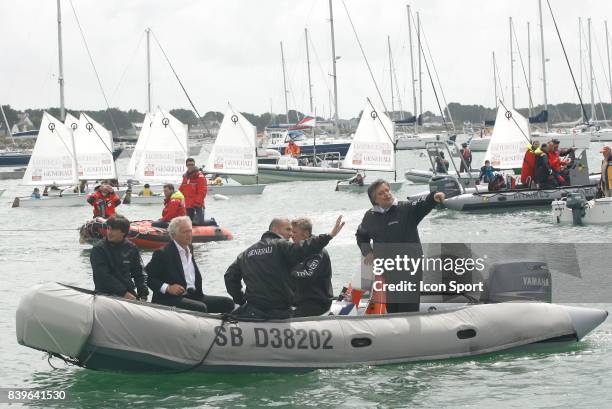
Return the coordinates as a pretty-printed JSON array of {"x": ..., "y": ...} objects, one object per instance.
[
  {"x": 445, "y": 183},
  {"x": 518, "y": 281},
  {"x": 576, "y": 201}
]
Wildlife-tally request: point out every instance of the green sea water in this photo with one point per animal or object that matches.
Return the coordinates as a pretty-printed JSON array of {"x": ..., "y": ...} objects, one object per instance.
[{"x": 40, "y": 245}]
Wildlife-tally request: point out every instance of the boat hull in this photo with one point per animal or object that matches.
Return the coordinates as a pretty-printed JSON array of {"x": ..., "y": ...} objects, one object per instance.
[
  {"x": 60, "y": 319},
  {"x": 144, "y": 236},
  {"x": 66, "y": 200},
  {"x": 346, "y": 187},
  {"x": 278, "y": 174},
  {"x": 514, "y": 198},
  {"x": 597, "y": 211},
  {"x": 420, "y": 176},
  {"x": 226, "y": 190}
]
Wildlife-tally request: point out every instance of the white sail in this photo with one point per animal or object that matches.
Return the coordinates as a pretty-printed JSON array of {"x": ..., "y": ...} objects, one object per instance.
[
  {"x": 234, "y": 150},
  {"x": 140, "y": 144},
  {"x": 165, "y": 151},
  {"x": 53, "y": 160},
  {"x": 94, "y": 147},
  {"x": 509, "y": 140},
  {"x": 372, "y": 145},
  {"x": 71, "y": 121}
]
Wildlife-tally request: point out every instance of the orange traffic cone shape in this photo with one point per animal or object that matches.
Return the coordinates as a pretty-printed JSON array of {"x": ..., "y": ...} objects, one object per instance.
[{"x": 378, "y": 299}]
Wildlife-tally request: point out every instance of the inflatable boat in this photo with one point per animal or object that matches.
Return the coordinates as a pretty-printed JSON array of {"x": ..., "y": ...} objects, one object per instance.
[
  {"x": 145, "y": 236},
  {"x": 103, "y": 332},
  {"x": 575, "y": 209}
]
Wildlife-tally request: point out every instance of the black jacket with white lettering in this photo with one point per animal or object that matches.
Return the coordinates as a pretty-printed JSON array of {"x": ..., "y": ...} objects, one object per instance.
[
  {"x": 312, "y": 280},
  {"x": 396, "y": 225},
  {"x": 265, "y": 269}
]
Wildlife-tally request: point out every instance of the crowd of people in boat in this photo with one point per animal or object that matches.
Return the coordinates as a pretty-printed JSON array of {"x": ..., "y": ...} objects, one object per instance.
[
  {"x": 286, "y": 273},
  {"x": 544, "y": 166}
]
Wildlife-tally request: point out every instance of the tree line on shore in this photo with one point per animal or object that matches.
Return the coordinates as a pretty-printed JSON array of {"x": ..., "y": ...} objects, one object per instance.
[{"x": 120, "y": 121}]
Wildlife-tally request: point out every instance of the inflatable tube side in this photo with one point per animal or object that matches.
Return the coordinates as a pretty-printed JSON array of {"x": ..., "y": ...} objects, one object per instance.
[{"x": 55, "y": 318}]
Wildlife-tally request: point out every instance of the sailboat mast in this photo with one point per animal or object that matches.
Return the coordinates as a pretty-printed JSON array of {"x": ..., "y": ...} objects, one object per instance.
[
  {"x": 391, "y": 76},
  {"x": 8, "y": 127},
  {"x": 580, "y": 57},
  {"x": 414, "y": 99},
  {"x": 608, "y": 51},
  {"x": 511, "y": 66},
  {"x": 148, "y": 31},
  {"x": 333, "y": 46},
  {"x": 593, "y": 114},
  {"x": 314, "y": 137},
  {"x": 529, "y": 69},
  {"x": 61, "y": 62},
  {"x": 543, "y": 60},
  {"x": 308, "y": 65},
  {"x": 495, "y": 80},
  {"x": 284, "y": 83},
  {"x": 420, "y": 70}
]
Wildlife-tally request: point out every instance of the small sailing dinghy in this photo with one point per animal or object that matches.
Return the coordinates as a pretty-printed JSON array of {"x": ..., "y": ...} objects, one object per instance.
[{"x": 372, "y": 149}]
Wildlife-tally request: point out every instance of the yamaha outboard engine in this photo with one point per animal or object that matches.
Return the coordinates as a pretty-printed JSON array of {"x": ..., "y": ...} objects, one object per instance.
[
  {"x": 445, "y": 183},
  {"x": 518, "y": 281},
  {"x": 576, "y": 201}
]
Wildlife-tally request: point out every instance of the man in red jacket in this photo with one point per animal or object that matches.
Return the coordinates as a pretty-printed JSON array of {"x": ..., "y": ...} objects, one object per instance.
[
  {"x": 529, "y": 162},
  {"x": 194, "y": 188},
  {"x": 104, "y": 201},
  {"x": 174, "y": 206}
]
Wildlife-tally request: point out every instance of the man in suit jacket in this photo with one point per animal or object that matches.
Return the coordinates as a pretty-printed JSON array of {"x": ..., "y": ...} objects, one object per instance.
[{"x": 174, "y": 277}]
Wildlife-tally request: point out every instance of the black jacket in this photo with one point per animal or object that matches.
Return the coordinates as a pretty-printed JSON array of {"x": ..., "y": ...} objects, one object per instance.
[
  {"x": 394, "y": 233},
  {"x": 166, "y": 267},
  {"x": 117, "y": 268},
  {"x": 543, "y": 169},
  {"x": 397, "y": 225},
  {"x": 312, "y": 280},
  {"x": 265, "y": 266}
]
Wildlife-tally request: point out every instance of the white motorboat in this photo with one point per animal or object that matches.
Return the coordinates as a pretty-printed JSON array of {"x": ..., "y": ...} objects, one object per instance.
[
  {"x": 288, "y": 170},
  {"x": 418, "y": 141},
  {"x": 566, "y": 140},
  {"x": 479, "y": 144},
  {"x": 575, "y": 209}
]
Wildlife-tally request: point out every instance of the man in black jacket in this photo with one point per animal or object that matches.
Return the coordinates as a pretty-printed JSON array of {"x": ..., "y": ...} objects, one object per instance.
[
  {"x": 313, "y": 291},
  {"x": 389, "y": 230},
  {"x": 265, "y": 269},
  {"x": 175, "y": 278},
  {"x": 116, "y": 263}
]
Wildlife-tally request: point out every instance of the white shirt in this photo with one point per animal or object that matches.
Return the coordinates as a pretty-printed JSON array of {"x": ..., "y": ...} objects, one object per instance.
[{"x": 188, "y": 268}]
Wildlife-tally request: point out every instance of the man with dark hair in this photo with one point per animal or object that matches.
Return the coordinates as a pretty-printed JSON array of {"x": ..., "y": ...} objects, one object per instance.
[
  {"x": 194, "y": 188},
  {"x": 265, "y": 269},
  {"x": 174, "y": 206},
  {"x": 389, "y": 230},
  {"x": 104, "y": 200},
  {"x": 116, "y": 263},
  {"x": 313, "y": 291}
]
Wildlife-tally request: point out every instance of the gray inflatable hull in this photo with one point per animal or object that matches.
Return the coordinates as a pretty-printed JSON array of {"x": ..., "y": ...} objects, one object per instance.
[{"x": 110, "y": 333}]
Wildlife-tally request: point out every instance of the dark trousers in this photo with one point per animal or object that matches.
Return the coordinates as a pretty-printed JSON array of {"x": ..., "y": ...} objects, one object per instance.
[
  {"x": 251, "y": 311},
  {"x": 206, "y": 303},
  {"x": 159, "y": 223},
  {"x": 196, "y": 214},
  {"x": 311, "y": 309}
]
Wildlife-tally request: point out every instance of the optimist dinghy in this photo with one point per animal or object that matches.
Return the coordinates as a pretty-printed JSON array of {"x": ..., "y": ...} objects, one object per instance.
[{"x": 102, "y": 332}]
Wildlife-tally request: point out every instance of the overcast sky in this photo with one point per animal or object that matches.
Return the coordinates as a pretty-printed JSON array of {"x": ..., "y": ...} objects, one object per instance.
[{"x": 228, "y": 50}]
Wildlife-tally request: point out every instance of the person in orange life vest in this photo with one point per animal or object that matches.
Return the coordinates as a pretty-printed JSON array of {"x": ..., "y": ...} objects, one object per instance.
[
  {"x": 174, "y": 206},
  {"x": 194, "y": 188},
  {"x": 529, "y": 162},
  {"x": 104, "y": 201},
  {"x": 604, "y": 183},
  {"x": 466, "y": 155},
  {"x": 558, "y": 165},
  {"x": 292, "y": 149}
]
